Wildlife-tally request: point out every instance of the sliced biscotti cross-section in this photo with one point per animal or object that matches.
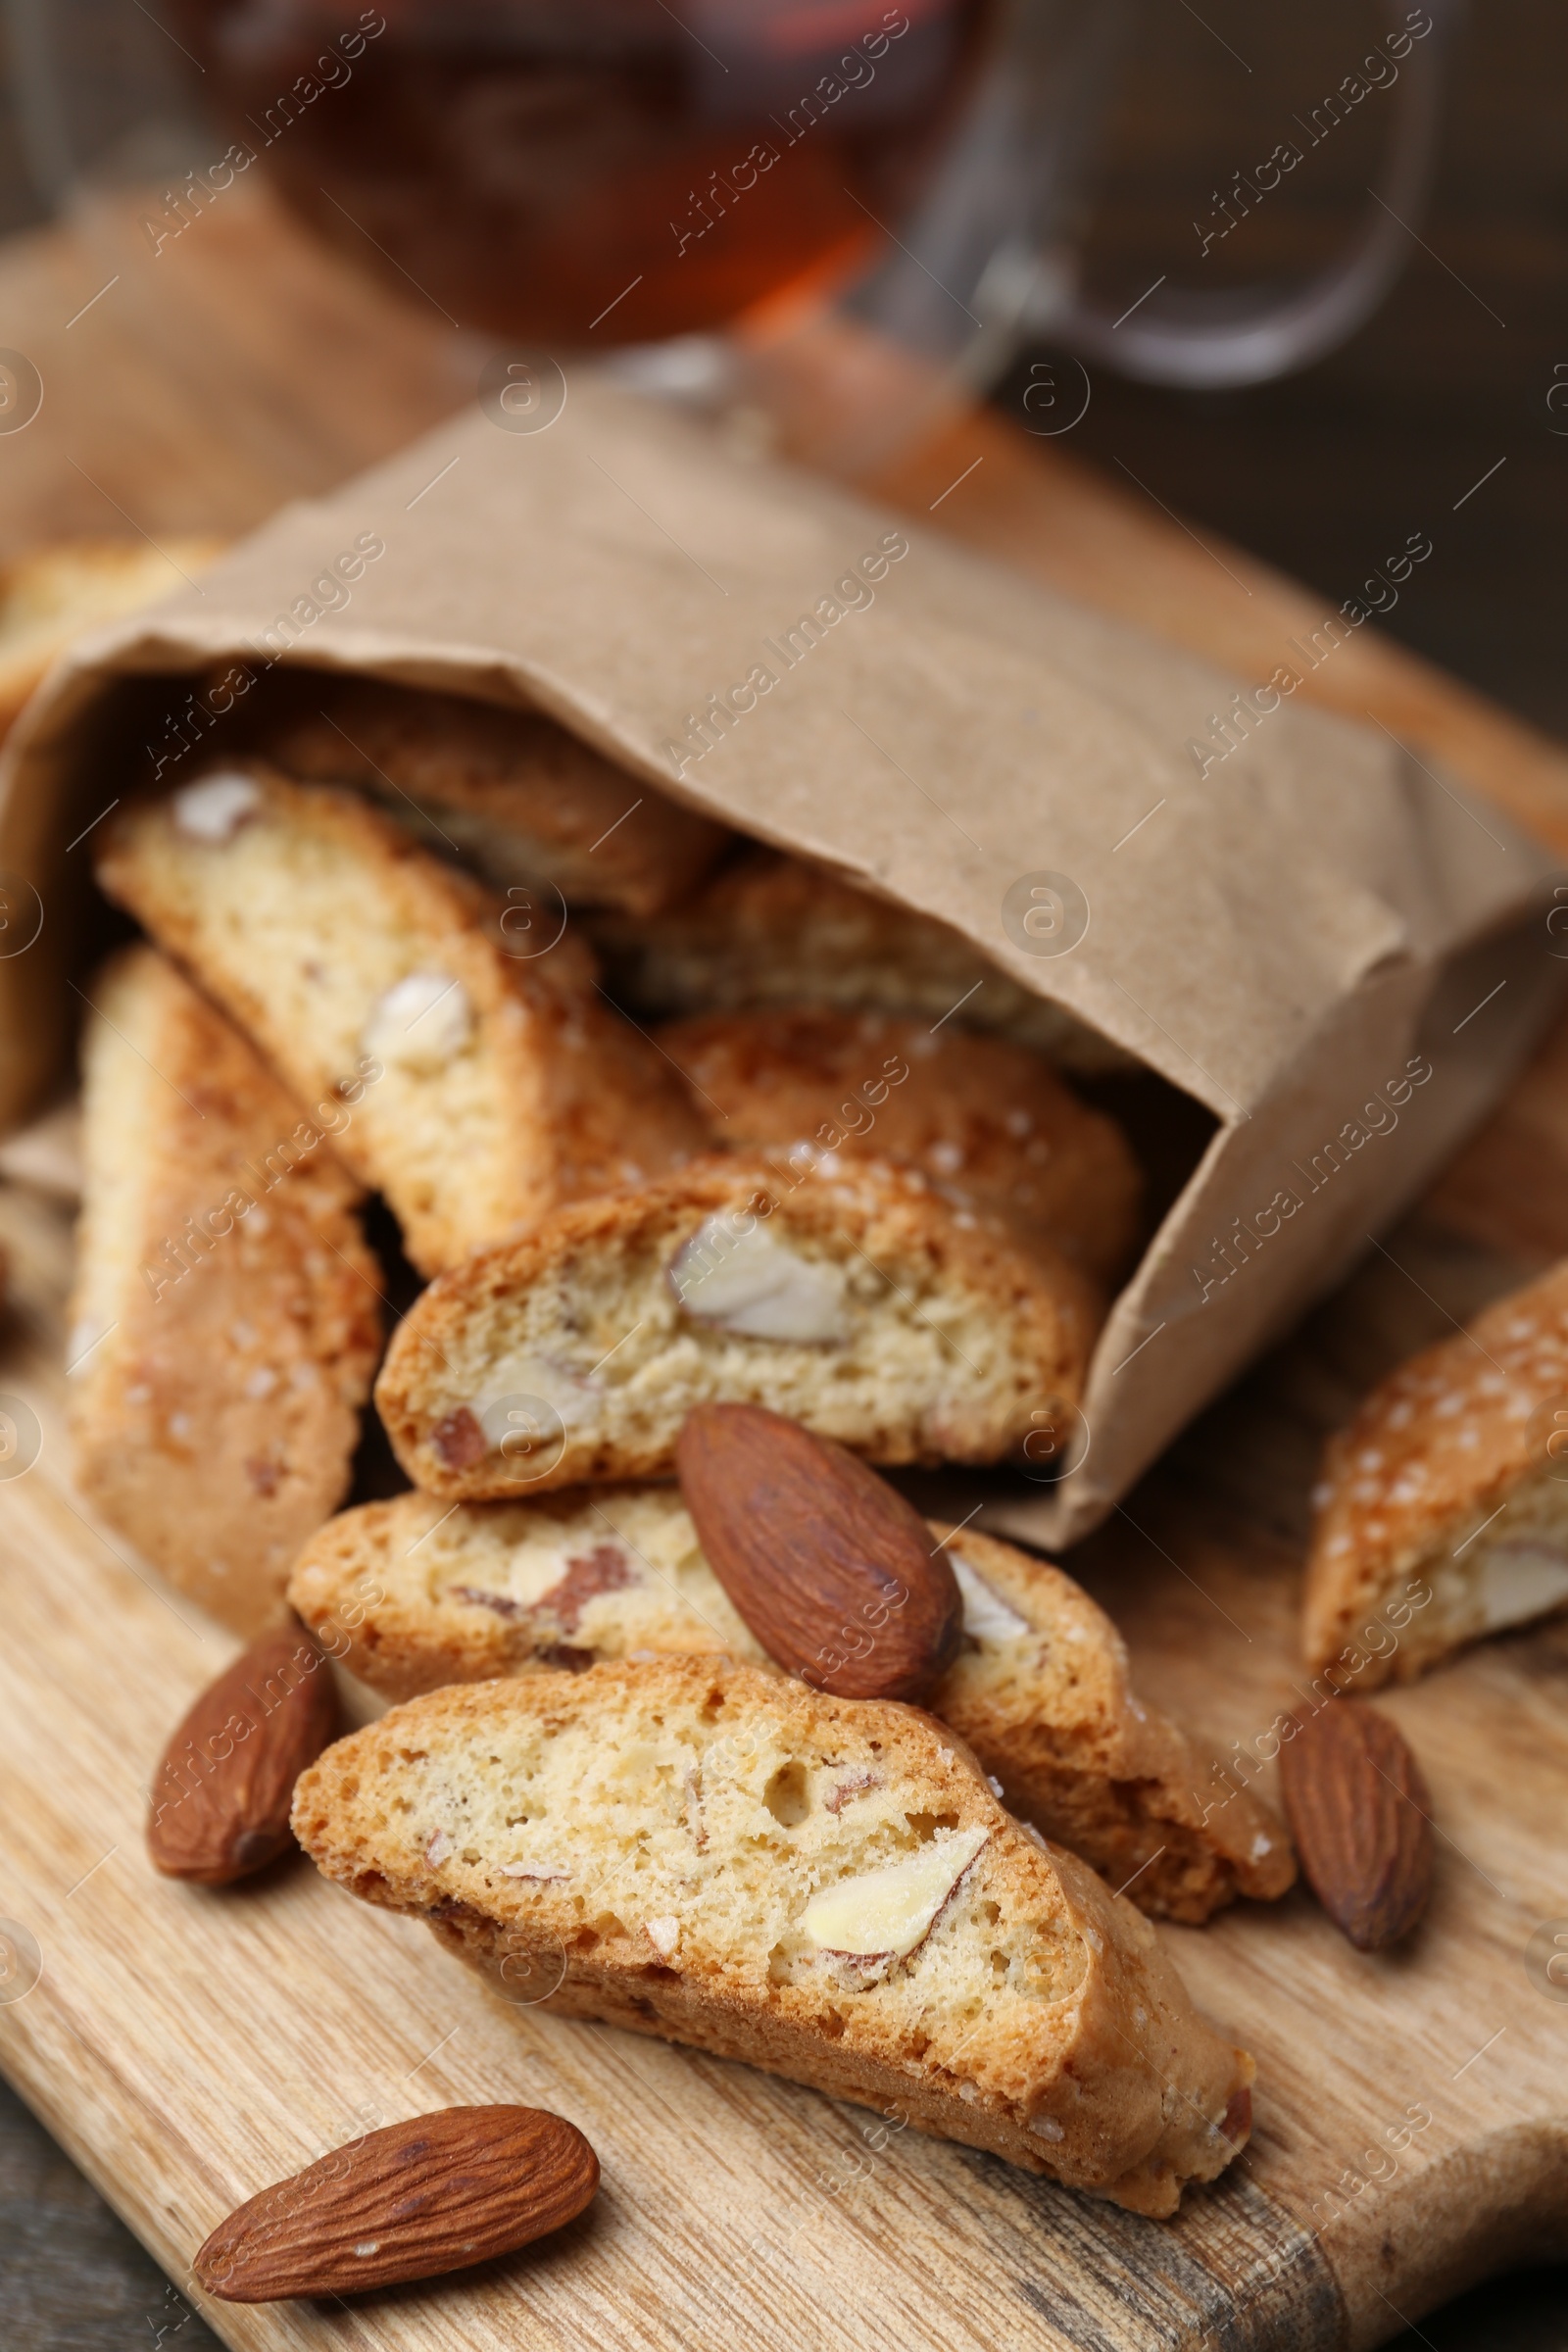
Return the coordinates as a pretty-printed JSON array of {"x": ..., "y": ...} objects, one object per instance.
[
  {"x": 824, "y": 1887},
  {"x": 1443, "y": 1509},
  {"x": 861, "y": 1303},
  {"x": 989, "y": 1123},
  {"x": 521, "y": 797},
  {"x": 769, "y": 930},
  {"x": 426, "y": 1595},
  {"x": 226, "y": 1322},
  {"x": 490, "y": 1085},
  {"x": 1042, "y": 1691}
]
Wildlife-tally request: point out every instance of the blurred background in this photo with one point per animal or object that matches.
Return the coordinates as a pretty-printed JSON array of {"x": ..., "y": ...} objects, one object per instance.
[
  {"x": 1320, "y": 473},
  {"x": 1438, "y": 417}
]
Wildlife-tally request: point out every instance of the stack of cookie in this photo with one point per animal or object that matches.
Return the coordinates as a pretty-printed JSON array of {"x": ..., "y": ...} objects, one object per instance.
[
  {"x": 845, "y": 1207},
  {"x": 804, "y": 1179}
]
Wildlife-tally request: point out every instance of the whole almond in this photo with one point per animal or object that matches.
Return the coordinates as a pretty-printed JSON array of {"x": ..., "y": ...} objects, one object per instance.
[
  {"x": 433, "y": 2195},
  {"x": 1359, "y": 1810},
  {"x": 222, "y": 1793},
  {"x": 831, "y": 1569}
]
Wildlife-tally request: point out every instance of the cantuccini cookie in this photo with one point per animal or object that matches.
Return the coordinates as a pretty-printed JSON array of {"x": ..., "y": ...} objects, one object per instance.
[
  {"x": 519, "y": 796},
  {"x": 1443, "y": 1509},
  {"x": 1043, "y": 1692},
  {"x": 491, "y": 1085},
  {"x": 426, "y": 1595},
  {"x": 45, "y": 1156},
  {"x": 823, "y": 1887},
  {"x": 56, "y": 593},
  {"x": 770, "y": 930},
  {"x": 989, "y": 1123},
  {"x": 861, "y": 1303},
  {"x": 226, "y": 1322}
]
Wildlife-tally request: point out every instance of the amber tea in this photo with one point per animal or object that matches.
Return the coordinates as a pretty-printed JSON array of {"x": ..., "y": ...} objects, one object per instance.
[{"x": 589, "y": 171}]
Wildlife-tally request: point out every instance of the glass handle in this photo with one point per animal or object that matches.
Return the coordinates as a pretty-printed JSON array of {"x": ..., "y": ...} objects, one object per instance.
[{"x": 1247, "y": 335}]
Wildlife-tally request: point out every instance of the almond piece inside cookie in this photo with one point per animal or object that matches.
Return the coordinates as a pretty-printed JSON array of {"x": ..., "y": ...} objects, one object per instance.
[
  {"x": 1443, "y": 1509},
  {"x": 988, "y": 1122},
  {"x": 861, "y": 1303}
]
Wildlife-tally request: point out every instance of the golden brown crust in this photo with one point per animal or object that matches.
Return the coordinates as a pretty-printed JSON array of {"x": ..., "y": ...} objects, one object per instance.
[
  {"x": 1052, "y": 1714},
  {"x": 225, "y": 1320},
  {"x": 308, "y": 917},
  {"x": 987, "y": 1122},
  {"x": 1443, "y": 1509},
  {"x": 55, "y": 594},
  {"x": 518, "y": 794},
  {"x": 952, "y": 1338},
  {"x": 413, "y": 1595},
  {"x": 1037, "y": 2018},
  {"x": 771, "y": 930}
]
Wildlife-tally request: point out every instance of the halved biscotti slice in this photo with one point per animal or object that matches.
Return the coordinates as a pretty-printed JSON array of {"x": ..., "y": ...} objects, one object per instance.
[
  {"x": 859, "y": 1302},
  {"x": 770, "y": 930},
  {"x": 522, "y": 798},
  {"x": 824, "y": 1887},
  {"x": 226, "y": 1318},
  {"x": 1042, "y": 1691},
  {"x": 988, "y": 1122},
  {"x": 423, "y": 1596},
  {"x": 487, "y": 1085},
  {"x": 1443, "y": 1509}
]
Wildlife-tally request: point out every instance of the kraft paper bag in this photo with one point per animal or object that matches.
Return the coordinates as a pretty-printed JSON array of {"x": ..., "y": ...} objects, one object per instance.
[{"x": 1315, "y": 937}]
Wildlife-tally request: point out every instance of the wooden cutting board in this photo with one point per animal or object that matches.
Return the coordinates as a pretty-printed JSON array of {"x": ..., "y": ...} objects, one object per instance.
[
  {"x": 1412, "y": 2110},
  {"x": 189, "y": 2047}
]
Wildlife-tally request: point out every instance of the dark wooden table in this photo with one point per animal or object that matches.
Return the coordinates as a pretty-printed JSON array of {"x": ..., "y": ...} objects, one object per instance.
[{"x": 1319, "y": 474}]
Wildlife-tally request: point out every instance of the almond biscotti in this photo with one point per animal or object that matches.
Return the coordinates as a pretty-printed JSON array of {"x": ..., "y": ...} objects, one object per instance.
[
  {"x": 769, "y": 930},
  {"x": 1442, "y": 1510},
  {"x": 424, "y": 1595},
  {"x": 823, "y": 1887},
  {"x": 519, "y": 797},
  {"x": 490, "y": 1085},
  {"x": 57, "y": 592},
  {"x": 1042, "y": 1691},
  {"x": 988, "y": 1122},
  {"x": 226, "y": 1318},
  {"x": 859, "y": 1302}
]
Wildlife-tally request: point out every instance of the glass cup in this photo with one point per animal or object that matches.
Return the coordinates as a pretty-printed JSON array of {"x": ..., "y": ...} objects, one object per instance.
[{"x": 893, "y": 191}]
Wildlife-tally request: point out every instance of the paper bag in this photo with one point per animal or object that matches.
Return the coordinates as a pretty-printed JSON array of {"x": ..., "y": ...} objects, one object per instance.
[{"x": 1291, "y": 919}]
